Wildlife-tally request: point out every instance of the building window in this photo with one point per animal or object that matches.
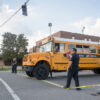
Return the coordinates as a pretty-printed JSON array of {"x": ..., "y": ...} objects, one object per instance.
[
  {"x": 73, "y": 37},
  {"x": 89, "y": 39},
  {"x": 85, "y": 39}
]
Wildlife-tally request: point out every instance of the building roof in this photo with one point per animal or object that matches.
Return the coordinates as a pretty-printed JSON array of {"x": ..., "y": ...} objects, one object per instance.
[
  {"x": 79, "y": 36},
  {"x": 69, "y": 35},
  {"x": 77, "y": 41}
]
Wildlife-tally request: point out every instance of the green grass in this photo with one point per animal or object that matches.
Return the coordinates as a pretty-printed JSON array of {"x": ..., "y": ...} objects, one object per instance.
[{"x": 9, "y": 68}]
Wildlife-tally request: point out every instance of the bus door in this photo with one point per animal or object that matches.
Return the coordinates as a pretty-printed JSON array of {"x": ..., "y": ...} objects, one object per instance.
[{"x": 60, "y": 61}]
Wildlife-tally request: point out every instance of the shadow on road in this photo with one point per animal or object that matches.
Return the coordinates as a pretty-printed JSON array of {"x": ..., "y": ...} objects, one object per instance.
[{"x": 62, "y": 77}]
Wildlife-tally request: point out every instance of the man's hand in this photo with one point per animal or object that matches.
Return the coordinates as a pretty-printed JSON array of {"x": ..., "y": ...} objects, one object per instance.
[
  {"x": 69, "y": 64},
  {"x": 67, "y": 69}
]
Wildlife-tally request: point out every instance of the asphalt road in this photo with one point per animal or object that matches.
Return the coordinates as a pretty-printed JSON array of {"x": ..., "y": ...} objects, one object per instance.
[{"x": 20, "y": 87}]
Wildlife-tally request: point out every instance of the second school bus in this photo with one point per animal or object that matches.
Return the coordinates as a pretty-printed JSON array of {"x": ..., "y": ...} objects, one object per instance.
[{"x": 51, "y": 57}]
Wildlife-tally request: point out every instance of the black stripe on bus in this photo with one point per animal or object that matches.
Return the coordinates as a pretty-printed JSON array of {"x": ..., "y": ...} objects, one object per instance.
[
  {"x": 61, "y": 63},
  {"x": 79, "y": 63},
  {"x": 89, "y": 56},
  {"x": 87, "y": 63}
]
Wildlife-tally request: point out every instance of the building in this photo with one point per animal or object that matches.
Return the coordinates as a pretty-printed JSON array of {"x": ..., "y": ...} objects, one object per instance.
[
  {"x": 1, "y": 58},
  {"x": 68, "y": 35},
  {"x": 1, "y": 61},
  {"x": 34, "y": 49}
]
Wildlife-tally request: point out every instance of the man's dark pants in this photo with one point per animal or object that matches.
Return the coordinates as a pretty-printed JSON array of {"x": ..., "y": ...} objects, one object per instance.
[
  {"x": 72, "y": 73},
  {"x": 14, "y": 69}
]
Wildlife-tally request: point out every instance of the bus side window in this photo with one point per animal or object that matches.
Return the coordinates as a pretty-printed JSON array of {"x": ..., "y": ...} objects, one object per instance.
[
  {"x": 60, "y": 47},
  {"x": 98, "y": 50},
  {"x": 92, "y": 49},
  {"x": 86, "y": 49},
  {"x": 57, "y": 47},
  {"x": 71, "y": 46},
  {"x": 79, "y": 48}
]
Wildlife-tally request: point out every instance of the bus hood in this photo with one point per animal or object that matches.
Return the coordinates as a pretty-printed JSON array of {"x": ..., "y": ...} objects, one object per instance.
[{"x": 34, "y": 56}]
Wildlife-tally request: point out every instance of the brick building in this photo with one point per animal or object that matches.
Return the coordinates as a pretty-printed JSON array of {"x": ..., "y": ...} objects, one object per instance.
[{"x": 68, "y": 35}]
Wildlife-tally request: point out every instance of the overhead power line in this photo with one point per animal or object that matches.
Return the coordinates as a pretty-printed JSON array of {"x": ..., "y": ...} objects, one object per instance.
[
  {"x": 27, "y": 1},
  {"x": 10, "y": 18},
  {"x": 13, "y": 15}
]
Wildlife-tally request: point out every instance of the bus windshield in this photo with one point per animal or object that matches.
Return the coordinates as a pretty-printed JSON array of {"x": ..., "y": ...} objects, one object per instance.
[{"x": 48, "y": 47}]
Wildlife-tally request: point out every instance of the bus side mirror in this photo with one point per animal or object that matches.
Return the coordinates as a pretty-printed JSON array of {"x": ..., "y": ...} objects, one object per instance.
[
  {"x": 65, "y": 55},
  {"x": 54, "y": 52}
]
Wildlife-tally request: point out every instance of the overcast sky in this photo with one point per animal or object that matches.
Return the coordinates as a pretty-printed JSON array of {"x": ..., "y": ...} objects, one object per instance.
[{"x": 66, "y": 15}]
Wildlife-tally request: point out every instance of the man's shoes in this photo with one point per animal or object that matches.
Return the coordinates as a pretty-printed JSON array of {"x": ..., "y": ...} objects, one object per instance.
[
  {"x": 65, "y": 87},
  {"x": 78, "y": 89}
]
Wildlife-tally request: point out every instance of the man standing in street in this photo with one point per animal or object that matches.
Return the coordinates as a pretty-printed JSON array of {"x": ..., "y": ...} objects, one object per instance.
[
  {"x": 14, "y": 66},
  {"x": 73, "y": 69}
]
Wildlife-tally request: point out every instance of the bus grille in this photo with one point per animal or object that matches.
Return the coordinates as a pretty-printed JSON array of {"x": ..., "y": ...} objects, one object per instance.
[{"x": 25, "y": 58}]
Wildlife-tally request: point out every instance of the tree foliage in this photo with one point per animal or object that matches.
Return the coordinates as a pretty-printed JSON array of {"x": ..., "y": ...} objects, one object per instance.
[{"x": 13, "y": 46}]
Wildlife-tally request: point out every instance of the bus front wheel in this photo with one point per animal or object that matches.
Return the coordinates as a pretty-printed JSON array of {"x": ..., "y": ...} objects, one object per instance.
[
  {"x": 41, "y": 72},
  {"x": 96, "y": 71},
  {"x": 29, "y": 73}
]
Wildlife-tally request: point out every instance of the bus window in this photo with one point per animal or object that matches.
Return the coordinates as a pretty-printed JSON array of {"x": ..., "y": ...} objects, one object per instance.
[
  {"x": 79, "y": 48},
  {"x": 98, "y": 50},
  {"x": 86, "y": 49},
  {"x": 56, "y": 47},
  {"x": 71, "y": 46},
  {"x": 92, "y": 49},
  {"x": 59, "y": 47},
  {"x": 62, "y": 47}
]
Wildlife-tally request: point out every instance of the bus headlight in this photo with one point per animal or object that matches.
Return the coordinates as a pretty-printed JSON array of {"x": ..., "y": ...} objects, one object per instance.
[{"x": 29, "y": 62}]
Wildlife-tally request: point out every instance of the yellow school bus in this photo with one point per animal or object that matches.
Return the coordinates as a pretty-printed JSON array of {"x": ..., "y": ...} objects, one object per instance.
[{"x": 51, "y": 57}]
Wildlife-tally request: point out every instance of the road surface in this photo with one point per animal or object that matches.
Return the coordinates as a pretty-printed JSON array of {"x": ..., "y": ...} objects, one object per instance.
[{"x": 20, "y": 87}]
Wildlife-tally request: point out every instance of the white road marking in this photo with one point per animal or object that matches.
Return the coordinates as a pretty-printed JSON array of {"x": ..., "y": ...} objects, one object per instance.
[{"x": 13, "y": 94}]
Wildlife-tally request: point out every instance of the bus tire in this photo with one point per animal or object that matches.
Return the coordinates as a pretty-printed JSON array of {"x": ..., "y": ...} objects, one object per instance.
[
  {"x": 29, "y": 73},
  {"x": 96, "y": 71},
  {"x": 41, "y": 72}
]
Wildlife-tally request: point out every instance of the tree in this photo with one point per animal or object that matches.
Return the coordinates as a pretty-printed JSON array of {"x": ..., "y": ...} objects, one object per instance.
[
  {"x": 21, "y": 43},
  {"x": 21, "y": 46},
  {"x": 13, "y": 46}
]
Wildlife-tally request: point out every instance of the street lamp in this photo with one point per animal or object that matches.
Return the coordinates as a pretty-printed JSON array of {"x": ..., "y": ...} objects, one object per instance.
[
  {"x": 83, "y": 29},
  {"x": 50, "y": 25}
]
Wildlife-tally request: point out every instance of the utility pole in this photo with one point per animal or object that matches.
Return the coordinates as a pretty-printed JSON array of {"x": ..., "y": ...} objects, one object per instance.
[
  {"x": 50, "y": 25},
  {"x": 83, "y": 29}
]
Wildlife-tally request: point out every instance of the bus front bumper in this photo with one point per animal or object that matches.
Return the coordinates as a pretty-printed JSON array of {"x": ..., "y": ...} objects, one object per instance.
[{"x": 27, "y": 68}]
